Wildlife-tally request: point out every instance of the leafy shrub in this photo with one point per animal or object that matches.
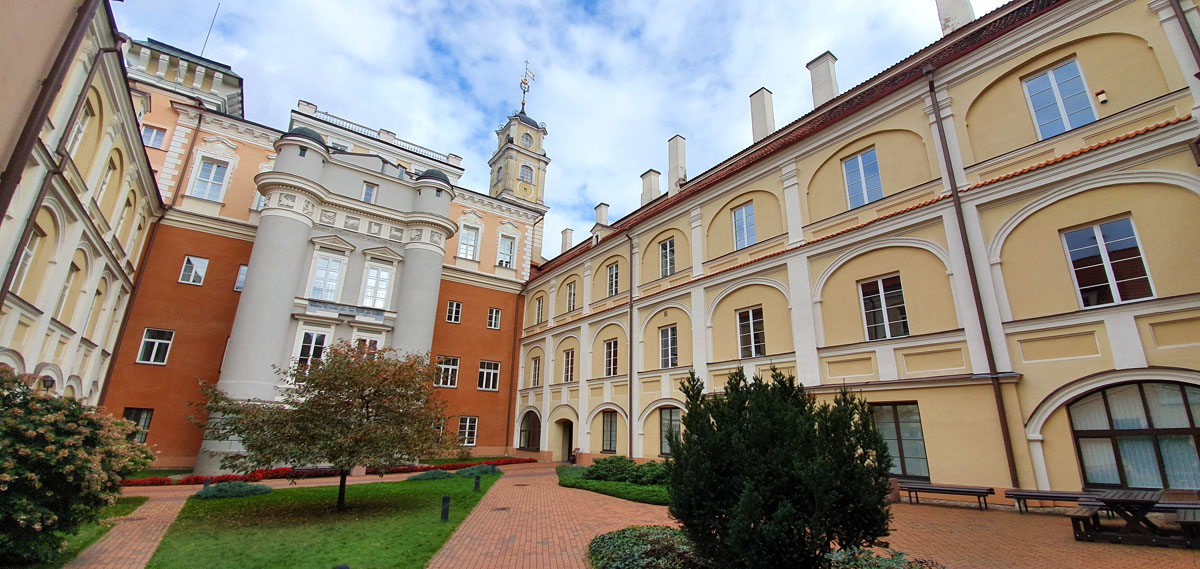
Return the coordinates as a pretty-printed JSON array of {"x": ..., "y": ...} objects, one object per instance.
[
  {"x": 643, "y": 547},
  {"x": 764, "y": 476},
  {"x": 60, "y": 462},
  {"x": 621, "y": 469},
  {"x": 573, "y": 477},
  {"x": 231, "y": 490},
  {"x": 858, "y": 558},
  {"x": 432, "y": 475},
  {"x": 451, "y": 466},
  {"x": 477, "y": 470},
  {"x": 649, "y": 473}
]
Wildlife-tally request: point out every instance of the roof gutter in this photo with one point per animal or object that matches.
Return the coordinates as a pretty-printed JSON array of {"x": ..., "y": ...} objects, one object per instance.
[{"x": 980, "y": 314}]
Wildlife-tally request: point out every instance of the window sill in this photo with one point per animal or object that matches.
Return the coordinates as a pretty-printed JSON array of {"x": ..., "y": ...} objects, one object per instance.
[
  {"x": 608, "y": 452},
  {"x": 665, "y": 455},
  {"x": 201, "y": 283},
  {"x": 490, "y": 328},
  {"x": 447, "y": 386},
  {"x": 482, "y": 389},
  {"x": 151, "y": 363}
]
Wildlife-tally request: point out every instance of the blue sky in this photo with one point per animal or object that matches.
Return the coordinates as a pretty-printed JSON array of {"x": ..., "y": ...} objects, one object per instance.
[{"x": 615, "y": 80}]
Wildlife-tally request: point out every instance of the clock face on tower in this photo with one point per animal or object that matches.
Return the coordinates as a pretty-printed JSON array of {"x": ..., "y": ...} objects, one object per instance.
[
  {"x": 524, "y": 191},
  {"x": 526, "y": 140}
]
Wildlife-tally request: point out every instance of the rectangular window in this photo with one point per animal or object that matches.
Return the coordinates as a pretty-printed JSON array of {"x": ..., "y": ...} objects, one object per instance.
[
  {"x": 570, "y": 296},
  {"x": 537, "y": 311},
  {"x": 327, "y": 276},
  {"x": 369, "y": 192},
  {"x": 27, "y": 256},
  {"x": 900, "y": 425},
  {"x": 156, "y": 344},
  {"x": 379, "y": 282},
  {"x": 610, "y": 357},
  {"x": 1056, "y": 94},
  {"x": 1114, "y": 272},
  {"x": 312, "y": 347},
  {"x": 368, "y": 346},
  {"x": 666, "y": 257},
  {"x": 449, "y": 368},
  {"x": 614, "y": 278},
  {"x": 752, "y": 340},
  {"x": 743, "y": 226},
  {"x": 883, "y": 308},
  {"x": 671, "y": 422},
  {"x": 72, "y": 273},
  {"x": 507, "y": 252},
  {"x": 80, "y": 128},
  {"x": 240, "y": 282},
  {"x": 153, "y": 137},
  {"x": 260, "y": 202},
  {"x": 493, "y": 318},
  {"x": 468, "y": 243},
  {"x": 193, "y": 270},
  {"x": 863, "y": 183},
  {"x": 610, "y": 432},
  {"x": 536, "y": 372},
  {"x": 568, "y": 366},
  {"x": 466, "y": 430},
  {"x": 141, "y": 418},
  {"x": 668, "y": 347},
  {"x": 489, "y": 376},
  {"x": 454, "y": 312},
  {"x": 210, "y": 180}
]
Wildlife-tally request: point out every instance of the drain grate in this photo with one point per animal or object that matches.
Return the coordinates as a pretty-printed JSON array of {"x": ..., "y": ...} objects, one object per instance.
[
  {"x": 503, "y": 509},
  {"x": 520, "y": 485}
]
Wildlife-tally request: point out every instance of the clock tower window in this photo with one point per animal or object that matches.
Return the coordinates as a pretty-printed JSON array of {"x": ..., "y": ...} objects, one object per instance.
[{"x": 526, "y": 174}]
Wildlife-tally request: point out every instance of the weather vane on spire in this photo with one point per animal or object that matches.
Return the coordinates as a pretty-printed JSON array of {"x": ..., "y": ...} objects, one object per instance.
[{"x": 526, "y": 79}]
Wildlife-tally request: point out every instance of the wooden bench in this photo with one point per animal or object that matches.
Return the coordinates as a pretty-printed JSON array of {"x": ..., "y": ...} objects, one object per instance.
[
  {"x": 1022, "y": 497},
  {"x": 914, "y": 489},
  {"x": 1085, "y": 521},
  {"x": 1189, "y": 522}
]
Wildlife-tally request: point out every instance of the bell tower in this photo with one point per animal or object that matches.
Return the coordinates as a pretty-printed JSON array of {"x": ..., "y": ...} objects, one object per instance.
[{"x": 519, "y": 164}]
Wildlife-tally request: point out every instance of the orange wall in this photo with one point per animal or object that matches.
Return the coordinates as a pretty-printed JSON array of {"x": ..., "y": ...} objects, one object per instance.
[
  {"x": 472, "y": 341},
  {"x": 201, "y": 317}
]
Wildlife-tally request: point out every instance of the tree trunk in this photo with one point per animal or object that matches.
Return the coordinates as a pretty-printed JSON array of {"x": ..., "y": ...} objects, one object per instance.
[{"x": 341, "y": 506}]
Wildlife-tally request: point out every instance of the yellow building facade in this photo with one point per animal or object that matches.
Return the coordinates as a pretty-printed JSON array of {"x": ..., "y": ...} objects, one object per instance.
[{"x": 992, "y": 241}]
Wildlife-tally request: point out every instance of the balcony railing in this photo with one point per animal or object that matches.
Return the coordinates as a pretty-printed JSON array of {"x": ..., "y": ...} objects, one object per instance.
[{"x": 374, "y": 133}]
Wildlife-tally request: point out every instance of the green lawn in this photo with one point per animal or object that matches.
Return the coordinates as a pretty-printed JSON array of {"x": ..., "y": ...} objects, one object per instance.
[
  {"x": 456, "y": 460},
  {"x": 151, "y": 473},
  {"x": 88, "y": 533},
  {"x": 572, "y": 477},
  {"x": 386, "y": 525}
]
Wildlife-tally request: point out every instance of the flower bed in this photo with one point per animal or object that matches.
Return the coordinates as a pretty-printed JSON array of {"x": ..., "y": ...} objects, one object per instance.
[{"x": 286, "y": 472}]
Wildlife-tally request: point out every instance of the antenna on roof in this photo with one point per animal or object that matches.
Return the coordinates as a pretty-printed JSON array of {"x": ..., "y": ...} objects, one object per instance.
[
  {"x": 210, "y": 27},
  {"x": 526, "y": 79}
]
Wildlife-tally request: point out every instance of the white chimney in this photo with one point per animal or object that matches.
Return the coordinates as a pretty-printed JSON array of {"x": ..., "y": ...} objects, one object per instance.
[
  {"x": 824, "y": 80},
  {"x": 677, "y": 164},
  {"x": 602, "y": 213},
  {"x": 650, "y": 188},
  {"x": 568, "y": 236},
  {"x": 762, "y": 114},
  {"x": 954, "y": 14},
  {"x": 306, "y": 107}
]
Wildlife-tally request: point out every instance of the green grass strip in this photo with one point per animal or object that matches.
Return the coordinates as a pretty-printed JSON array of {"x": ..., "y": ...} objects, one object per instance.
[
  {"x": 572, "y": 477},
  {"x": 88, "y": 533}
]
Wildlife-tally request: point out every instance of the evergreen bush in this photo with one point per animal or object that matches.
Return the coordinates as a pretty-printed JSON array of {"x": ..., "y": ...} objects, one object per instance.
[
  {"x": 478, "y": 470},
  {"x": 621, "y": 469},
  {"x": 643, "y": 547},
  {"x": 858, "y": 558},
  {"x": 766, "y": 477},
  {"x": 231, "y": 490},
  {"x": 432, "y": 475}
]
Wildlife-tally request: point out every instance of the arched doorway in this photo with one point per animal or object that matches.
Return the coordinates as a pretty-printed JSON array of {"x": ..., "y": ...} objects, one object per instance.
[
  {"x": 531, "y": 432},
  {"x": 567, "y": 435}
]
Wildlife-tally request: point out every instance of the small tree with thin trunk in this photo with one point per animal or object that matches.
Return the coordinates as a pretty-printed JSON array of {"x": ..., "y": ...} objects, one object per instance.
[{"x": 352, "y": 407}]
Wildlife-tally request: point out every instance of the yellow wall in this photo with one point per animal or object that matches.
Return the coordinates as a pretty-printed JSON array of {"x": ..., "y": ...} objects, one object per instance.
[
  {"x": 1049, "y": 358},
  {"x": 560, "y": 300},
  {"x": 904, "y": 162},
  {"x": 600, "y": 277},
  {"x": 609, "y": 332},
  {"x": 683, "y": 326},
  {"x": 776, "y": 321},
  {"x": 527, "y": 380},
  {"x": 769, "y": 221},
  {"x": 1171, "y": 340},
  {"x": 597, "y": 436},
  {"x": 651, "y": 268},
  {"x": 569, "y": 343}
]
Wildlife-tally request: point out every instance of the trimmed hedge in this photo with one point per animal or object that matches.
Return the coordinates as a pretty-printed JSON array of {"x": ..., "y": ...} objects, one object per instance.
[
  {"x": 478, "y": 470},
  {"x": 286, "y": 472},
  {"x": 644, "y": 547},
  {"x": 231, "y": 490},
  {"x": 573, "y": 477},
  {"x": 622, "y": 469},
  {"x": 451, "y": 466},
  {"x": 432, "y": 475}
]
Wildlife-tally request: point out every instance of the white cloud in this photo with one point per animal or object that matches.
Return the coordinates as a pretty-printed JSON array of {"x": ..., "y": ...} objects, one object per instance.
[{"x": 614, "y": 80}]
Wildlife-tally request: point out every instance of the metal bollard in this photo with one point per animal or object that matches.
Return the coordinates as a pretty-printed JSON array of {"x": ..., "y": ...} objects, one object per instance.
[
  {"x": 446, "y": 508},
  {"x": 476, "y": 483},
  {"x": 343, "y": 566}
]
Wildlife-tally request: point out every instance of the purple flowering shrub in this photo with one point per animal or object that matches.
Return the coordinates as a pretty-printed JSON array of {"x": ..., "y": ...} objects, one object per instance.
[{"x": 60, "y": 462}]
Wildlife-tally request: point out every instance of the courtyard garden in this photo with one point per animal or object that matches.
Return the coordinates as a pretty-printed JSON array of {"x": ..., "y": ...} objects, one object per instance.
[{"x": 87, "y": 534}]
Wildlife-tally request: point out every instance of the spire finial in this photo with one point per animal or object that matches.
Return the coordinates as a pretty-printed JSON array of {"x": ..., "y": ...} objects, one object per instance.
[{"x": 526, "y": 79}]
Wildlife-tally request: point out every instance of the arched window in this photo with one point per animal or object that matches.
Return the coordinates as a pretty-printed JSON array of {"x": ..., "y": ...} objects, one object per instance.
[
  {"x": 531, "y": 432},
  {"x": 69, "y": 392},
  {"x": 526, "y": 174},
  {"x": 1139, "y": 435}
]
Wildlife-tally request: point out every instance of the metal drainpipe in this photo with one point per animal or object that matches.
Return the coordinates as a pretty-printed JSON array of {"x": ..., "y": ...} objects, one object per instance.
[
  {"x": 979, "y": 312},
  {"x": 629, "y": 356},
  {"x": 1187, "y": 32},
  {"x": 60, "y": 156},
  {"x": 41, "y": 108}
]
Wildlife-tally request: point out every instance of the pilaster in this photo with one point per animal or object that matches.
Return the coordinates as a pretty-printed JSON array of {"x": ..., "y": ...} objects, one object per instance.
[
  {"x": 697, "y": 221},
  {"x": 947, "y": 112},
  {"x": 790, "y": 177},
  {"x": 804, "y": 324}
]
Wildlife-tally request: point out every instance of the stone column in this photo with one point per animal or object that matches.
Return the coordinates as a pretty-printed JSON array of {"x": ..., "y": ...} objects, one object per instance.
[{"x": 417, "y": 302}]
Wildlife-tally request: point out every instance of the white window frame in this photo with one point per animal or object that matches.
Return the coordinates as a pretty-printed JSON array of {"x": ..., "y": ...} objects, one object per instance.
[
  {"x": 448, "y": 376},
  {"x": 569, "y": 366},
  {"x": 239, "y": 283},
  {"x": 570, "y": 296},
  {"x": 157, "y": 343},
  {"x": 668, "y": 347},
  {"x": 535, "y": 365},
  {"x": 469, "y": 248},
  {"x": 28, "y": 254},
  {"x": 454, "y": 312},
  {"x": 153, "y": 131},
  {"x": 370, "y": 192},
  {"x": 887, "y": 323},
  {"x": 1058, "y": 99},
  {"x": 756, "y": 350},
  {"x": 749, "y": 233},
  {"x": 312, "y": 275},
  {"x": 198, "y": 267},
  {"x": 72, "y": 273},
  {"x": 538, "y": 313},
  {"x": 506, "y": 258},
  {"x": 613, "y": 283},
  {"x": 1108, "y": 271},
  {"x": 468, "y": 429},
  {"x": 666, "y": 257},
  {"x": 493, "y": 320},
  {"x": 371, "y": 295},
  {"x": 862, "y": 178},
  {"x": 260, "y": 203},
  {"x": 610, "y": 357},
  {"x": 193, "y": 188},
  {"x": 325, "y": 334},
  {"x": 521, "y": 177},
  {"x": 109, "y": 168},
  {"x": 85, "y": 118},
  {"x": 489, "y": 379}
]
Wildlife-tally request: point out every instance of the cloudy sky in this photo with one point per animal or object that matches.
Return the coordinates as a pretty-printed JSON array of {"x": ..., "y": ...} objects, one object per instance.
[{"x": 615, "y": 80}]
